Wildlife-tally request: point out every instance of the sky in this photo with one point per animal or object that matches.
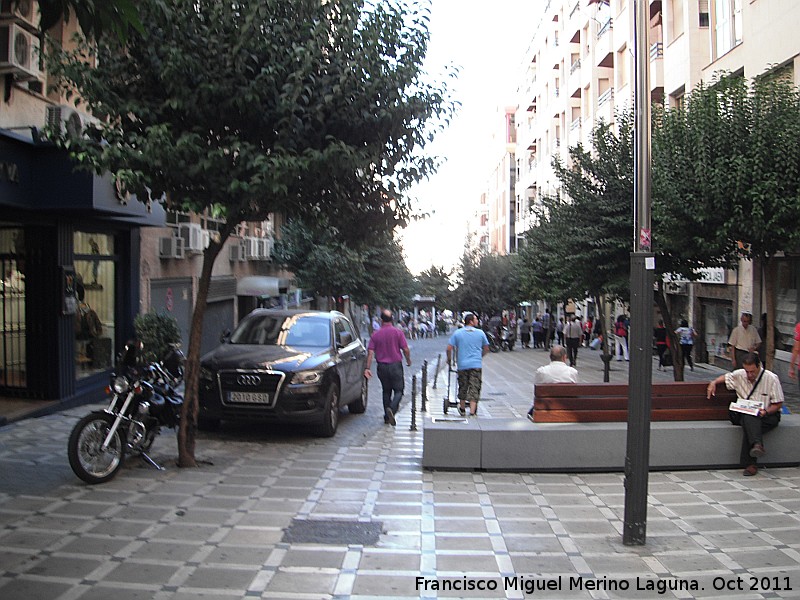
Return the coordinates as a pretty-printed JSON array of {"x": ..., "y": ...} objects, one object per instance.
[{"x": 487, "y": 41}]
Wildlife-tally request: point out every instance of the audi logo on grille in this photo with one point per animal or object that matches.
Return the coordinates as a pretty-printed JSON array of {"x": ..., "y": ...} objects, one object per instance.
[{"x": 248, "y": 380}]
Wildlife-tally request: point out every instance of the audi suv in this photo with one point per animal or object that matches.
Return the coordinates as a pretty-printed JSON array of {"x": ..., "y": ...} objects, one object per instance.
[{"x": 289, "y": 366}]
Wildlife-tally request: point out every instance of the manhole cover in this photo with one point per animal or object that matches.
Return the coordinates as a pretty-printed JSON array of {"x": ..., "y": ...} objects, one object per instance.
[{"x": 333, "y": 532}]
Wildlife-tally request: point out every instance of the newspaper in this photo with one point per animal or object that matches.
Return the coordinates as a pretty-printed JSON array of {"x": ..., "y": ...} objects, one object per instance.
[{"x": 748, "y": 407}]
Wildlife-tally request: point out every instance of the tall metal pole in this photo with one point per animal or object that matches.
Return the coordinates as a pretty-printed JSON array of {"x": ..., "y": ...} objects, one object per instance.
[{"x": 637, "y": 457}]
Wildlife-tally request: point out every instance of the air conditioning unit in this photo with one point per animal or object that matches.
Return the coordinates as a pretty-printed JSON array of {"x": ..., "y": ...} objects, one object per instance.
[
  {"x": 66, "y": 119},
  {"x": 193, "y": 239},
  {"x": 19, "y": 52},
  {"x": 22, "y": 11},
  {"x": 170, "y": 247},
  {"x": 265, "y": 248},
  {"x": 250, "y": 248},
  {"x": 237, "y": 253}
]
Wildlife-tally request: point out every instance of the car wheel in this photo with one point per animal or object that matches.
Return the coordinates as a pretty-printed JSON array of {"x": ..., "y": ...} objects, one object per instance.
[
  {"x": 330, "y": 419},
  {"x": 359, "y": 405}
]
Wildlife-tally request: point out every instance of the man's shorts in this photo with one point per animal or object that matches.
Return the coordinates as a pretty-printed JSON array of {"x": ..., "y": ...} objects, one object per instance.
[{"x": 469, "y": 385}]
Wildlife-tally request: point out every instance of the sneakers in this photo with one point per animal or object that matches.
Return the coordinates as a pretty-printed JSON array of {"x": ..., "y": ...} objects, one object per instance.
[
  {"x": 462, "y": 412},
  {"x": 757, "y": 450},
  {"x": 389, "y": 417},
  {"x": 750, "y": 470}
]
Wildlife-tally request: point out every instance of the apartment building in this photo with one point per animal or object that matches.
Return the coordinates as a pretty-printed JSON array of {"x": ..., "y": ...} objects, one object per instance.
[
  {"x": 73, "y": 247},
  {"x": 579, "y": 68}
]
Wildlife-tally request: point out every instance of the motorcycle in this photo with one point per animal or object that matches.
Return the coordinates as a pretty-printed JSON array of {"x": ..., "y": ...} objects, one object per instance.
[
  {"x": 144, "y": 398},
  {"x": 507, "y": 339},
  {"x": 494, "y": 344}
]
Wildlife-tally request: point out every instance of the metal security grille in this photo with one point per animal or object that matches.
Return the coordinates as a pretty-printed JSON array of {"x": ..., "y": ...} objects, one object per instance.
[{"x": 12, "y": 313}]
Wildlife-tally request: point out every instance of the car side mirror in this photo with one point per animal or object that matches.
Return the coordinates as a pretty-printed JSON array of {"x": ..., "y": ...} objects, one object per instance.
[
  {"x": 225, "y": 337},
  {"x": 345, "y": 339}
]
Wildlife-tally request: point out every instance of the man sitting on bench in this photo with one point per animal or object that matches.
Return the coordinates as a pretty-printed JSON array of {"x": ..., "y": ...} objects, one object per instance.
[
  {"x": 558, "y": 371},
  {"x": 752, "y": 382}
]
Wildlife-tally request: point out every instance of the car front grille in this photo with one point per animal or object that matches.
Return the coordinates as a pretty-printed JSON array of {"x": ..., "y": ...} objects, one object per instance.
[{"x": 260, "y": 388}]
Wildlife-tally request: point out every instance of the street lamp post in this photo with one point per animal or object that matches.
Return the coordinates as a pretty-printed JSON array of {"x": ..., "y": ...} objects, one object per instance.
[{"x": 637, "y": 456}]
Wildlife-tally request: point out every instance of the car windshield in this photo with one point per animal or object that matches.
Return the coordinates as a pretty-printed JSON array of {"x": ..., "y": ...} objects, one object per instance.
[{"x": 279, "y": 330}]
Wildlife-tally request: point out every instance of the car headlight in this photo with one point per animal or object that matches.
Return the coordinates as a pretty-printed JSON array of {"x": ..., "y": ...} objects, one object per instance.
[
  {"x": 308, "y": 377},
  {"x": 119, "y": 385},
  {"x": 206, "y": 374}
]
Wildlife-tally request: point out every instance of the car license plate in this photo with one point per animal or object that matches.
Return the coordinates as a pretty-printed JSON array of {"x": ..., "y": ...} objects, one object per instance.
[{"x": 249, "y": 397}]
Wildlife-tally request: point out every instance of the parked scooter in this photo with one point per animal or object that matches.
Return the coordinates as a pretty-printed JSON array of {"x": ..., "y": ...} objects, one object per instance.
[
  {"x": 507, "y": 338},
  {"x": 144, "y": 398}
]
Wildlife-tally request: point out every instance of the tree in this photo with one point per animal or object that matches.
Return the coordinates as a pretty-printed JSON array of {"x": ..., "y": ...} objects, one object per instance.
[
  {"x": 435, "y": 281},
  {"x": 371, "y": 270},
  {"x": 308, "y": 108},
  {"x": 488, "y": 284},
  {"x": 96, "y": 18},
  {"x": 728, "y": 176}
]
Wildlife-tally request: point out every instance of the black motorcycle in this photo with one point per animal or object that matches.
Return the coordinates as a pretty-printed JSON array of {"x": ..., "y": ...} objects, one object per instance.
[{"x": 144, "y": 398}]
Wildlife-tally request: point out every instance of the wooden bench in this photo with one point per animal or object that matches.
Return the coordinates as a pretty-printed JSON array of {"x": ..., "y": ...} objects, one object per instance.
[{"x": 608, "y": 402}]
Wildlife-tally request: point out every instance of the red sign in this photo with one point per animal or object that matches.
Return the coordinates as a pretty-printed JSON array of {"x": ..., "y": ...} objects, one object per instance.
[{"x": 170, "y": 302}]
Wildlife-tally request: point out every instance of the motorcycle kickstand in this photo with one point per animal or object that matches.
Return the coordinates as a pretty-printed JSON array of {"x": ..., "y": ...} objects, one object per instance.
[{"x": 151, "y": 462}]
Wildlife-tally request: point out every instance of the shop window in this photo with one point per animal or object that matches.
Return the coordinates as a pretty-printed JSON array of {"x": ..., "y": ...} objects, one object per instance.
[
  {"x": 95, "y": 274},
  {"x": 717, "y": 327},
  {"x": 13, "y": 360}
]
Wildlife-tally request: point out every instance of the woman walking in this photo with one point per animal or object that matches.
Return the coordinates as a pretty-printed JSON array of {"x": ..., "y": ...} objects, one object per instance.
[{"x": 687, "y": 335}]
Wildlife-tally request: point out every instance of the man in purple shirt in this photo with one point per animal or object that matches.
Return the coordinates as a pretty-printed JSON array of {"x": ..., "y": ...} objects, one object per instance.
[{"x": 387, "y": 346}]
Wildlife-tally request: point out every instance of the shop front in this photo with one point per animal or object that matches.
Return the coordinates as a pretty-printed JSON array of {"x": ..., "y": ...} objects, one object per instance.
[{"x": 69, "y": 250}]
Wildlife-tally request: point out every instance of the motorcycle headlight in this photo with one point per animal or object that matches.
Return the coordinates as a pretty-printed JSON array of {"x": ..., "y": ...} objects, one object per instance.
[
  {"x": 119, "y": 385},
  {"x": 308, "y": 377}
]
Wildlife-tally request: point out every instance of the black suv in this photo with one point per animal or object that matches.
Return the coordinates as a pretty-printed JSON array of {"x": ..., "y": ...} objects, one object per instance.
[{"x": 292, "y": 366}]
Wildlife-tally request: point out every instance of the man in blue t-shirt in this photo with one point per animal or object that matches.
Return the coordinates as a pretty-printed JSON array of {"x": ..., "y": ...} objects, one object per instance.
[{"x": 470, "y": 345}]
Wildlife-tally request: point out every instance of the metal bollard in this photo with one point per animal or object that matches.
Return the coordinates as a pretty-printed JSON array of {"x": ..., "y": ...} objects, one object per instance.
[
  {"x": 424, "y": 385},
  {"x": 436, "y": 371},
  {"x": 413, "y": 403}
]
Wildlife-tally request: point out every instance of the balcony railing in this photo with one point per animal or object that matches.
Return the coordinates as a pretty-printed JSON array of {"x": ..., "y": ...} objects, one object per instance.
[
  {"x": 607, "y": 26},
  {"x": 656, "y": 50},
  {"x": 576, "y": 124},
  {"x": 575, "y": 8},
  {"x": 575, "y": 66},
  {"x": 605, "y": 96}
]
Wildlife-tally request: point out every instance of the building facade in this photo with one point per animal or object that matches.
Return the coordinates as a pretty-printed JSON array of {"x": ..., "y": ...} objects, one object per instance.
[
  {"x": 79, "y": 261},
  {"x": 578, "y": 70}
]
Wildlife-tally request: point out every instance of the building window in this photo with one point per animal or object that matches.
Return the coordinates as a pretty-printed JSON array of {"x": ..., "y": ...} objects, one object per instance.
[
  {"x": 727, "y": 26},
  {"x": 703, "y": 16},
  {"x": 675, "y": 19},
  {"x": 95, "y": 276}
]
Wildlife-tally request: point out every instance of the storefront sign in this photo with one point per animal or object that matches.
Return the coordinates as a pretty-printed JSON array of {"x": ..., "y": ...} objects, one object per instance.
[
  {"x": 9, "y": 172},
  {"x": 712, "y": 275}
]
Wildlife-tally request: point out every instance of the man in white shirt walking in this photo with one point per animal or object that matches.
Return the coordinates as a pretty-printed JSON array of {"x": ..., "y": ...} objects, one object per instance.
[{"x": 556, "y": 372}]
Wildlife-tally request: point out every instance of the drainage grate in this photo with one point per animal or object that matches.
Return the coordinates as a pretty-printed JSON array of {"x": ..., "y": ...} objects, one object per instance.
[{"x": 333, "y": 532}]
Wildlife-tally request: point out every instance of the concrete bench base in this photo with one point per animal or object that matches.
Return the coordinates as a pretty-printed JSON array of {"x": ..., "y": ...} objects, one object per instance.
[{"x": 519, "y": 445}]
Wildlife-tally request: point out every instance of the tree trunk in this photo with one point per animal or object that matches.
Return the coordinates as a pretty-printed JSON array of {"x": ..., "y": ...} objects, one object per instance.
[
  {"x": 600, "y": 301},
  {"x": 187, "y": 430},
  {"x": 674, "y": 341}
]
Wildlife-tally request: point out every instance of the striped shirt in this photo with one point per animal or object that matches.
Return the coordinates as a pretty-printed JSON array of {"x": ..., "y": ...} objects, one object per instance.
[{"x": 769, "y": 390}]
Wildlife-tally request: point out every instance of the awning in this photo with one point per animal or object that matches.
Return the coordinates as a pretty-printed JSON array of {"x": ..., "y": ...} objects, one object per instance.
[{"x": 261, "y": 286}]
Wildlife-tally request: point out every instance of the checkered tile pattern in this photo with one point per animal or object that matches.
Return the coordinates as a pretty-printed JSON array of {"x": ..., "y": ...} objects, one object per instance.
[{"x": 218, "y": 531}]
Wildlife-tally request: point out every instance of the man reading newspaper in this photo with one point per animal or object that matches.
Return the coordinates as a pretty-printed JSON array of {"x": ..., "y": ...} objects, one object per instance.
[{"x": 757, "y": 408}]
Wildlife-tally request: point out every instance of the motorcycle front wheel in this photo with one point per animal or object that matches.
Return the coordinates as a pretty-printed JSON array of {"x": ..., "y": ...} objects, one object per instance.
[{"x": 86, "y": 456}]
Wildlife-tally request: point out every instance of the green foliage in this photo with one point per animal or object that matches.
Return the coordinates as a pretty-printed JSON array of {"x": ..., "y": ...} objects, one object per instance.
[
  {"x": 95, "y": 18},
  {"x": 489, "y": 283},
  {"x": 435, "y": 281},
  {"x": 312, "y": 109},
  {"x": 582, "y": 241},
  {"x": 371, "y": 270},
  {"x": 156, "y": 331}
]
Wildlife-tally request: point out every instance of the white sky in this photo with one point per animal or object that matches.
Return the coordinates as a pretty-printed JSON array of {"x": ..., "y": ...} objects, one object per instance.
[{"x": 487, "y": 40}]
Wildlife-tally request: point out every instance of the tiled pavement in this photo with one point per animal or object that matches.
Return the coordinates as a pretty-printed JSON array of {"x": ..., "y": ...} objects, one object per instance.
[{"x": 218, "y": 531}]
